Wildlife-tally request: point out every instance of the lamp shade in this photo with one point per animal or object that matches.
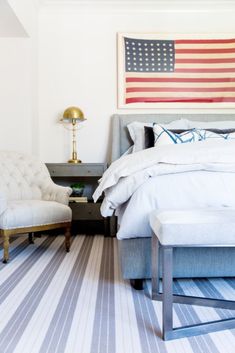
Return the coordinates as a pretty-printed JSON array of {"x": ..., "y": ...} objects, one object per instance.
[{"x": 73, "y": 113}]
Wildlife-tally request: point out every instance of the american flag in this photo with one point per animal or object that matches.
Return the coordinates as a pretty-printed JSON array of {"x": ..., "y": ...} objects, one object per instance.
[{"x": 182, "y": 70}]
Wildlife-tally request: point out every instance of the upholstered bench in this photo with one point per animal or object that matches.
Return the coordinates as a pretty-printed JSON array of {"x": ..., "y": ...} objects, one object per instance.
[{"x": 188, "y": 228}]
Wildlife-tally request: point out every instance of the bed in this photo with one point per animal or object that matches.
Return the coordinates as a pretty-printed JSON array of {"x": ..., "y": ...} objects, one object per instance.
[{"x": 134, "y": 251}]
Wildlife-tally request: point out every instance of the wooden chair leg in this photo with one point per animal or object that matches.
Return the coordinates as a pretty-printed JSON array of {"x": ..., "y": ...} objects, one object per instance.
[
  {"x": 67, "y": 238},
  {"x": 5, "y": 248},
  {"x": 31, "y": 238}
]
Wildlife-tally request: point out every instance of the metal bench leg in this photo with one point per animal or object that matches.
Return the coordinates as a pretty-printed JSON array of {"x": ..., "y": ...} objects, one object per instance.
[
  {"x": 155, "y": 267},
  {"x": 167, "y": 299},
  {"x": 167, "y": 306}
]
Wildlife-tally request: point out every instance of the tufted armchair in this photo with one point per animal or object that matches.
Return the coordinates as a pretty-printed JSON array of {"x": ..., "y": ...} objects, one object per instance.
[{"x": 29, "y": 200}]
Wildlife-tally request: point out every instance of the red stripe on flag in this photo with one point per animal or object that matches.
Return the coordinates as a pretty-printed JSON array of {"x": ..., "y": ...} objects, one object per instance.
[
  {"x": 204, "y": 41},
  {"x": 180, "y": 99},
  {"x": 180, "y": 89},
  {"x": 180, "y": 79},
  {"x": 204, "y": 51},
  {"x": 232, "y": 69},
  {"x": 204, "y": 61}
]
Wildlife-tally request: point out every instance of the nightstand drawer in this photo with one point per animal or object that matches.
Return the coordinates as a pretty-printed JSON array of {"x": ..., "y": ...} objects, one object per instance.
[
  {"x": 85, "y": 211},
  {"x": 78, "y": 170}
]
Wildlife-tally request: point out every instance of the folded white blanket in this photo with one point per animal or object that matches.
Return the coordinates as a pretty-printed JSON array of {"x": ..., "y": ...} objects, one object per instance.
[{"x": 125, "y": 175}]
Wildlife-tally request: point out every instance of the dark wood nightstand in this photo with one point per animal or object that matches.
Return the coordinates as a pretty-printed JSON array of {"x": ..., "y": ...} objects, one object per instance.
[{"x": 88, "y": 173}]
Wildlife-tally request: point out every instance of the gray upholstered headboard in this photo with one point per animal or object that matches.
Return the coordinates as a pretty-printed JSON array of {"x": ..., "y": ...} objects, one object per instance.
[{"x": 120, "y": 137}]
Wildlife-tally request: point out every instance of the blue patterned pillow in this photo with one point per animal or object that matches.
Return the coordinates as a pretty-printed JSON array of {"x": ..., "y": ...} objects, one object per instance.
[{"x": 162, "y": 136}]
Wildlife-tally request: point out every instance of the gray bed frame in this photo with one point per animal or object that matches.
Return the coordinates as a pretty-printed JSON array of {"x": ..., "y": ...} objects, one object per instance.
[{"x": 135, "y": 254}]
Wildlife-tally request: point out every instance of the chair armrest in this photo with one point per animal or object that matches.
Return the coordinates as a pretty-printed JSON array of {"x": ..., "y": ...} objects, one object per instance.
[
  {"x": 54, "y": 192},
  {"x": 3, "y": 203}
]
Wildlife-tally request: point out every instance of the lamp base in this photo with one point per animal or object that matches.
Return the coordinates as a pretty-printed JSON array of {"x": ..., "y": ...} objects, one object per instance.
[{"x": 75, "y": 161}]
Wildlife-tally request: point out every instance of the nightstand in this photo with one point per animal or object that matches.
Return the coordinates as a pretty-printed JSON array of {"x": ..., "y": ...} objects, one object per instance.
[{"x": 88, "y": 173}]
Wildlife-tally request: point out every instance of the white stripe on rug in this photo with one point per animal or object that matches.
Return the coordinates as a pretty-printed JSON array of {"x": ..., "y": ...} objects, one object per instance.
[
  {"x": 127, "y": 335},
  {"x": 58, "y": 331},
  {"x": 13, "y": 302},
  {"x": 43, "y": 315},
  {"x": 15, "y": 245},
  {"x": 103, "y": 338},
  {"x": 80, "y": 336},
  {"x": 16, "y": 262}
]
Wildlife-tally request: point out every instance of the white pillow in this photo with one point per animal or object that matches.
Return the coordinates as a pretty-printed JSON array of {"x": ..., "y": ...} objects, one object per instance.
[
  {"x": 163, "y": 136},
  {"x": 228, "y": 124},
  {"x": 136, "y": 130}
]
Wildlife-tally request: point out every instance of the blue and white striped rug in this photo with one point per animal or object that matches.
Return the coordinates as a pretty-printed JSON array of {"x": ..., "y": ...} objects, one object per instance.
[{"x": 53, "y": 302}]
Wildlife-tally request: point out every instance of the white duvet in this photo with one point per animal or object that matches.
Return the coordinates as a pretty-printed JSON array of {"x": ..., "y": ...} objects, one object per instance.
[{"x": 190, "y": 175}]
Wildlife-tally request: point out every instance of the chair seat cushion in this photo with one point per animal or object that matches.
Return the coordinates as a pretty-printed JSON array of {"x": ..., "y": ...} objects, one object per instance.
[
  {"x": 31, "y": 213},
  {"x": 194, "y": 227}
]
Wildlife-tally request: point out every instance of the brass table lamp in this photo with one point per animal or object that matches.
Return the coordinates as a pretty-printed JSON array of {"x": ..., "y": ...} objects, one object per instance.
[{"x": 74, "y": 116}]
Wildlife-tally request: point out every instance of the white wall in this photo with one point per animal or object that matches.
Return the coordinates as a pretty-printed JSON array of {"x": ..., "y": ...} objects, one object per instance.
[
  {"x": 77, "y": 66},
  {"x": 18, "y": 86},
  {"x": 15, "y": 132}
]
